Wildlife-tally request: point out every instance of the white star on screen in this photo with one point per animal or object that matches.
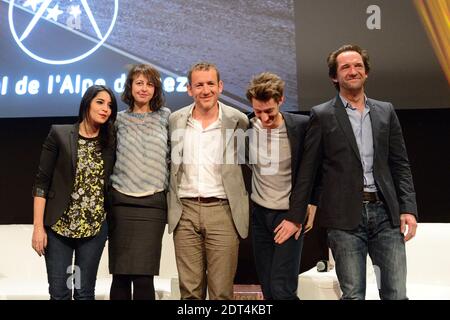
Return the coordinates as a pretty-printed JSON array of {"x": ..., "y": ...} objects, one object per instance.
[
  {"x": 54, "y": 13},
  {"x": 32, "y": 3},
  {"x": 75, "y": 11}
]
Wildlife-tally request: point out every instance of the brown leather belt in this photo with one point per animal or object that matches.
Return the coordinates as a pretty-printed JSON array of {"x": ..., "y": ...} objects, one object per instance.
[
  {"x": 370, "y": 197},
  {"x": 205, "y": 200}
]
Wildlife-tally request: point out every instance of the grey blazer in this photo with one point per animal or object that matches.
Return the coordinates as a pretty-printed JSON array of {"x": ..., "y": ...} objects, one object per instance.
[
  {"x": 232, "y": 177},
  {"x": 331, "y": 152}
]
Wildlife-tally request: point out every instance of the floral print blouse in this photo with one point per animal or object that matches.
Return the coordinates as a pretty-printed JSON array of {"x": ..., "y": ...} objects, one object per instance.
[{"x": 86, "y": 212}]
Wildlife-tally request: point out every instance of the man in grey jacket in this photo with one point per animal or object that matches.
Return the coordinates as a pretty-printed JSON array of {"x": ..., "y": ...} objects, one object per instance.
[
  {"x": 367, "y": 199},
  {"x": 208, "y": 203}
]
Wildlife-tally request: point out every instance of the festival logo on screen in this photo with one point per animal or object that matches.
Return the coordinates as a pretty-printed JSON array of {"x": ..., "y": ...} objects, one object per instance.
[{"x": 61, "y": 32}]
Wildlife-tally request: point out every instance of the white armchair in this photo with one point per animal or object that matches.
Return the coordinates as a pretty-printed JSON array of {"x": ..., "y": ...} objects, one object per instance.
[
  {"x": 428, "y": 265},
  {"x": 23, "y": 274}
]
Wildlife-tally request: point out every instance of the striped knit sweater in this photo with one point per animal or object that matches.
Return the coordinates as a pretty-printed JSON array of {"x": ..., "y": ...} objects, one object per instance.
[{"x": 142, "y": 166}]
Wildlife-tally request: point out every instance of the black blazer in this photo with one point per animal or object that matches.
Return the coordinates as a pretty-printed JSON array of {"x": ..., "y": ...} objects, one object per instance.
[
  {"x": 56, "y": 173},
  {"x": 331, "y": 152},
  {"x": 296, "y": 126}
]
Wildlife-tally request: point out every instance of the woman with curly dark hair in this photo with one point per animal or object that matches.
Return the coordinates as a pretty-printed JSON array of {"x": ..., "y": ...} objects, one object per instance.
[{"x": 139, "y": 181}]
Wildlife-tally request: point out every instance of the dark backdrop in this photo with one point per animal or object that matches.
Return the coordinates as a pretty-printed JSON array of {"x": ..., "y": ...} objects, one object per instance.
[{"x": 405, "y": 68}]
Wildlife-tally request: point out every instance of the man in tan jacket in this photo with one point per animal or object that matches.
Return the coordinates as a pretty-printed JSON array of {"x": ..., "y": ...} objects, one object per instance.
[{"x": 208, "y": 203}]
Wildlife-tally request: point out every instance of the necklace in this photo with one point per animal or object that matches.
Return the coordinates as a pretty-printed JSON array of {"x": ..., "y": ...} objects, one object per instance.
[{"x": 139, "y": 117}]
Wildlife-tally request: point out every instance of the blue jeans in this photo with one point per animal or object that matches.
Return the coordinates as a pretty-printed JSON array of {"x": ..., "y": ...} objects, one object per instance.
[
  {"x": 277, "y": 265},
  {"x": 385, "y": 245},
  {"x": 63, "y": 275}
]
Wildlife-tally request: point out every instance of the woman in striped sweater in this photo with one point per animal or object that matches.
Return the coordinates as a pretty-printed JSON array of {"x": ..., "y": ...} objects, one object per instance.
[{"x": 139, "y": 185}]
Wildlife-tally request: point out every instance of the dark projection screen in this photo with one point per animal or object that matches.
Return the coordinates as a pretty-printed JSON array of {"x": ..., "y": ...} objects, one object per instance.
[
  {"x": 52, "y": 50},
  {"x": 408, "y": 43}
]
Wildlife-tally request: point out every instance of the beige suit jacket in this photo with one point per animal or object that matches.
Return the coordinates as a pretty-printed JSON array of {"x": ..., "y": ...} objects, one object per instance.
[{"x": 232, "y": 177}]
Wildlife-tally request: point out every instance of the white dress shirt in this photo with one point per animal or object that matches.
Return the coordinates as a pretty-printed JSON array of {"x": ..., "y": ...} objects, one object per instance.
[{"x": 202, "y": 158}]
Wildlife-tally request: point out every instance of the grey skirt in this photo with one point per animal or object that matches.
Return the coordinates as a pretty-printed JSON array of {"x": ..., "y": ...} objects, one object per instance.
[{"x": 136, "y": 227}]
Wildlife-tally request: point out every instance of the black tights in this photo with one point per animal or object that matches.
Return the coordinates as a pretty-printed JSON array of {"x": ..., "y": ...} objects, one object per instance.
[{"x": 143, "y": 288}]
